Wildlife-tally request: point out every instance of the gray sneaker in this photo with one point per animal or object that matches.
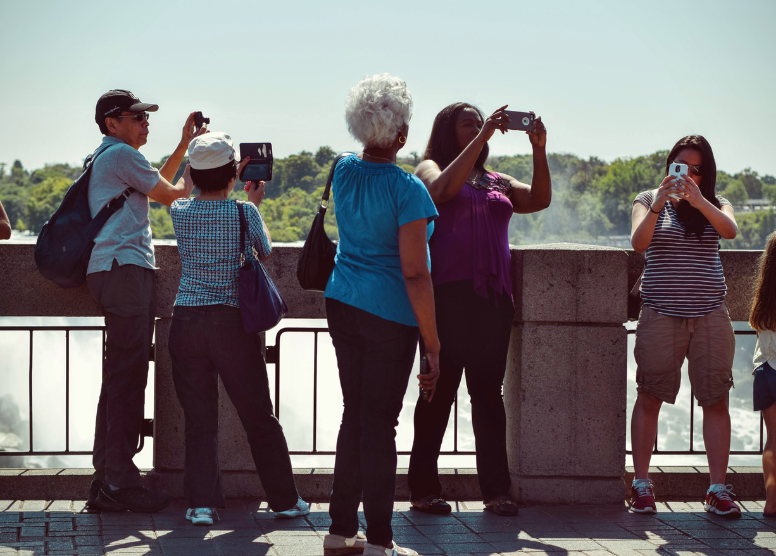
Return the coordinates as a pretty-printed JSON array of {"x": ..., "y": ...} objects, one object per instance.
[
  {"x": 337, "y": 545},
  {"x": 300, "y": 509}
]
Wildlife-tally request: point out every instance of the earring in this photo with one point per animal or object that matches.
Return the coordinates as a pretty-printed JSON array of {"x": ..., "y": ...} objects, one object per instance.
[{"x": 402, "y": 139}]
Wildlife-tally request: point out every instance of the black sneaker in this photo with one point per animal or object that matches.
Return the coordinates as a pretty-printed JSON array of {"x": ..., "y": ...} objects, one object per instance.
[
  {"x": 133, "y": 499},
  {"x": 94, "y": 490},
  {"x": 432, "y": 504}
]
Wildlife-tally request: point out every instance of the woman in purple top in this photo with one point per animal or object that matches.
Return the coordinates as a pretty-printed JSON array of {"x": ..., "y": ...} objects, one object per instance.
[{"x": 470, "y": 270}]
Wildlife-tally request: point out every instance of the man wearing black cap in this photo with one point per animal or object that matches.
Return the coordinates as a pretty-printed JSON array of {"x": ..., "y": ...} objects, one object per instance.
[{"x": 121, "y": 280}]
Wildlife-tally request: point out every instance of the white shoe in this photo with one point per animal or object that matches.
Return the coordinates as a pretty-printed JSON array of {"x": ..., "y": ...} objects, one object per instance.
[
  {"x": 300, "y": 509},
  {"x": 379, "y": 550},
  {"x": 200, "y": 516},
  {"x": 337, "y": 545}
]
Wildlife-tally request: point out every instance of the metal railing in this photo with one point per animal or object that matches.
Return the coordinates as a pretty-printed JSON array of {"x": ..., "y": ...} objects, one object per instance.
[
  {"x": 273, "y": 357},
  {"x": 147, "y": 426},
  {"x": 692, "y": 450}
]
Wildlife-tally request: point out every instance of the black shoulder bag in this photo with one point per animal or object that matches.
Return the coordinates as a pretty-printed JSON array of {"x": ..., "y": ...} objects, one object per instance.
[{"x": 317, "y": 259}]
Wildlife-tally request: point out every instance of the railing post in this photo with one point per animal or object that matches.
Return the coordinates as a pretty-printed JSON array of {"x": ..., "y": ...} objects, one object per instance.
[{"x": 565, "y": 390}]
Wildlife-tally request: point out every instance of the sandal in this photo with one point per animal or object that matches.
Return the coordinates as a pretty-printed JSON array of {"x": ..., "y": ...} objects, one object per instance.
[
  {"x": 502, "y": 505},
  {"x": 431, "y": 504}
]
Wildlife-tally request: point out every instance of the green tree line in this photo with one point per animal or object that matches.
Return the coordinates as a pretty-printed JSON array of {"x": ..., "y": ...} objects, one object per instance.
[{"x": 592, "y": 198}]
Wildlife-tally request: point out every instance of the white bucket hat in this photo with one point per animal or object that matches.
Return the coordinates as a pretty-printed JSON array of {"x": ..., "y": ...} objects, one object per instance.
[{"x": 211, "y": 150}]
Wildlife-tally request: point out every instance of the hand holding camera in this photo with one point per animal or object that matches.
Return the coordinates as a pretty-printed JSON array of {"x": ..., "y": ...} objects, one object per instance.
[
  {"x": 429, "y": 374},
  {"x": 192, "y": 130}
]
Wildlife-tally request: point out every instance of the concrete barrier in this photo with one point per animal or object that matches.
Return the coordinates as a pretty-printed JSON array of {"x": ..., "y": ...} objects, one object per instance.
[{"x": 565, "y": 390}]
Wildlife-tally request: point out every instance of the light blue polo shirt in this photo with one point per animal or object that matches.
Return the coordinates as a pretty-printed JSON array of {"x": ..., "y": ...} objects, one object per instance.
[
  {"x": 126, "y": 236},
  {"x": 371, "y": 202}
]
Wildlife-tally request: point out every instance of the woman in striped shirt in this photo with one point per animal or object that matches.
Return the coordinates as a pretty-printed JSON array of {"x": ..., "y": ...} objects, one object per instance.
[{"x": 679, "y": 225}]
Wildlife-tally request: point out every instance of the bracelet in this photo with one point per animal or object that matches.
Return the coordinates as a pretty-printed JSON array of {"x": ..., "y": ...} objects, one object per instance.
[{"x": 653, "y": 211}]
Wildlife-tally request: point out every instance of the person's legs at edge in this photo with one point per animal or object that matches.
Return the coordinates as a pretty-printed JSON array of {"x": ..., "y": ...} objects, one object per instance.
[
  {"x": 644, "y": 420},
  {"x": 196, "y": 385},
  {"x": 240, "y": 363},
  {"x": 486, "y": 362},
  {"x": 769, "y": 459},
  {"x": 346, "y": 487},
  {"x": 431, "y": 418},
  {"x": 389, "y": 355},
  {"x": 716, "y": 438},
  {"x": 126, "y": 296}
]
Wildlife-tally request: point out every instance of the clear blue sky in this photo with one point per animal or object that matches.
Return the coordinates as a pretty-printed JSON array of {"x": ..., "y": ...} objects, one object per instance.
[{"x": 611, "y": 78}]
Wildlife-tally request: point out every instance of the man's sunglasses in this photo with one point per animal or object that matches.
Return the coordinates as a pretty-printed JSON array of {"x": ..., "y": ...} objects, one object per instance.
[{"x": 143, "y": 116}]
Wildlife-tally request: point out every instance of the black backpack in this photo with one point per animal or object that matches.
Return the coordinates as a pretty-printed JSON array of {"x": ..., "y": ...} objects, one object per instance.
[{"x": 66, "y": 241}]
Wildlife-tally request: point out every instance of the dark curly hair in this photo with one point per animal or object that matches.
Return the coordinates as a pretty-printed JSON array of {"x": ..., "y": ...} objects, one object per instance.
[{"x": 214, "y": 179}]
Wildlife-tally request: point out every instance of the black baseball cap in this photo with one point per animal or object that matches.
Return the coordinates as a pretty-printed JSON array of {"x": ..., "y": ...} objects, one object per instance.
[{"x": 117, "y": 101}]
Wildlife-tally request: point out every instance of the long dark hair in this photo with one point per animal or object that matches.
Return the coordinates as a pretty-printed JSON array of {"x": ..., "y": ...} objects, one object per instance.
[
  {"x": 763, "y": 314},
  {"x": 691, "y": 218},
  {"x": 443, "y": 145}
]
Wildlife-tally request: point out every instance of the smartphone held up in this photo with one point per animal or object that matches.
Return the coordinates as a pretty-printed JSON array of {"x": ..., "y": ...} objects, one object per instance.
[
  {"x": 677, "y": 170},
  {"x": 522, "y": 121}
]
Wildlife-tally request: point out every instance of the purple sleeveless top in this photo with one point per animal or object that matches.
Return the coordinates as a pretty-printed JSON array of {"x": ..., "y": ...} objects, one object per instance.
[{"x": 471, "y": 240}]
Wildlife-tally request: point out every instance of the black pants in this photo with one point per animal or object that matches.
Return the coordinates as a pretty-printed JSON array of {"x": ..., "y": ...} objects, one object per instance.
[
  {"x": 374, "y": 357},
  {"x": 205, "y": 343},
  {"x": 126, "y": 296},
  {"x": 474, "y": 334}
]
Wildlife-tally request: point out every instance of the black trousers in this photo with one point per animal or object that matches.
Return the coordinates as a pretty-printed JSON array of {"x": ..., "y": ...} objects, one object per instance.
[
  {"x": 374, "y": 357},
  {"x": 126, "y": 296},
  {"x": 474, "y": 333},
  {"x": 205, "y": 343}
]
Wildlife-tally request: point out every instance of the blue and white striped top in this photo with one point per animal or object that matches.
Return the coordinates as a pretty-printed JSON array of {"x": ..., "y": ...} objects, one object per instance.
[
  {"x": 208, "y": 234},
  {"x": 684, "y": 275}
]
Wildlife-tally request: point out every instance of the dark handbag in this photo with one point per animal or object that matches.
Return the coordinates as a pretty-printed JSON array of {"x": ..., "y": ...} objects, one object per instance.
[
  {"x": 261, "y": 305},
  {"x": 317, "y": 259}
]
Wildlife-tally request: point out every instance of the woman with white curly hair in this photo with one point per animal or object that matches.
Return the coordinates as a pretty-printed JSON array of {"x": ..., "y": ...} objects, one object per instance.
[{"x": 379, "y": 300}]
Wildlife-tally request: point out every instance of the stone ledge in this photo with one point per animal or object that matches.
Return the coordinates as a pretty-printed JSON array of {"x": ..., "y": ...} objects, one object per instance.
[
  {"x": 314, "y": 484},
  {"x": 691, "y": 482}
]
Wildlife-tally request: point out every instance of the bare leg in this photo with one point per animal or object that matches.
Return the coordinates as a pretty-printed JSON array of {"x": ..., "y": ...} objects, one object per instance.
[
  {"x": 716, "y": 437},
  {"x": 643, "y": 431},
  {"x": 769, "y": 459}
]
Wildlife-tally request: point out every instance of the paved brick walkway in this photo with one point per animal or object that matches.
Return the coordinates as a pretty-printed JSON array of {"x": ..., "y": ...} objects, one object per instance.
[{"x": 247, "y": 528}]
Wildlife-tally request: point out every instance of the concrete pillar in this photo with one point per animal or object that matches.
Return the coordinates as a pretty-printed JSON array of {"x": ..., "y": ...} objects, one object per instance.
[{"x": 565, "y": 389}]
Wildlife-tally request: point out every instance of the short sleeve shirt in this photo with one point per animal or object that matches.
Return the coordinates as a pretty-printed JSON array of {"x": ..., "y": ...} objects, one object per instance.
[
  {"x": 372, "y": 201},
  {"x": 208, "y": 234},
  {"x": 126, "y": 236},
  {"x": 684, "y": 275}
]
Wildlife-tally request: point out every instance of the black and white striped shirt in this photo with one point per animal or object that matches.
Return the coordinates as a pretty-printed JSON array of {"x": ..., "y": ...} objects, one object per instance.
[{"x": 684, "y": 275}]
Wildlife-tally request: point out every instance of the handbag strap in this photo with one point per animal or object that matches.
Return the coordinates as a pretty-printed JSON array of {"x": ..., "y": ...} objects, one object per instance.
[
  {"x": 243, "y": 229},
  {"x": 327, "y": 189}
]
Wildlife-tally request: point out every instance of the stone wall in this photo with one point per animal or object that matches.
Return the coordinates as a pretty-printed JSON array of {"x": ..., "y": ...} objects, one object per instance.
[{"x": 565, "y": 390}]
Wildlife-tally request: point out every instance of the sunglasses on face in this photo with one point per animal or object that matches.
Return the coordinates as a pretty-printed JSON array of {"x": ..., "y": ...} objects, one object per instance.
[
  {"x": 695, "y": 170},
  {"x": 143, "y": 116}
]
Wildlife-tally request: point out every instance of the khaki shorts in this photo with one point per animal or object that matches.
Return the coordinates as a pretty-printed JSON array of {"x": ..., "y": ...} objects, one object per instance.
[{"x": 662, "y": 343}]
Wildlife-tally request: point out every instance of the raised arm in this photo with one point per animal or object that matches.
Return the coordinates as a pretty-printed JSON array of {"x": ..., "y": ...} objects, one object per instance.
[
  {"x": 5, "y": 224},
  {"x": 643, "y": 219},
  {"x": 165, "y": 192},
  {"x": 417, "y": 278},
  {"x": 537, "y": 196},
  {"x": 445, "y": 184}
]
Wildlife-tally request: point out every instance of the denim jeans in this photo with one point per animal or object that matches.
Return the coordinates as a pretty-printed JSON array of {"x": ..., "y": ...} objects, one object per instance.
[
  {"x": 375, "y": 357},
  {"x": 474, "y": 334},
  {"x": 205, "y": 343},
  {"x": 126, "y": 296}
]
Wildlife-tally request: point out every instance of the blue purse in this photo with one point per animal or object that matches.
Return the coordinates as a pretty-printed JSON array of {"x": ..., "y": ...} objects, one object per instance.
[{"x": 261, "y": 305}]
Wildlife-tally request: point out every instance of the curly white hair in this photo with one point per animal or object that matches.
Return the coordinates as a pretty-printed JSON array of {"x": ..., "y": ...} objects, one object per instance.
[{"x": 376, "y": 108}]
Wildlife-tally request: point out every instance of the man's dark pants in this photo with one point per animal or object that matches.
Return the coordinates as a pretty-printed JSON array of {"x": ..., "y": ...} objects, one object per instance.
[
  {"x": 126, "y": 296},
  {"x": 375, "y": 358}
]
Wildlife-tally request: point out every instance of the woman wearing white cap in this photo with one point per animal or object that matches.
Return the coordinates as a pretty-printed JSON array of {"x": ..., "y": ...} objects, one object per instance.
[{"x": 207, "y": 339}]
